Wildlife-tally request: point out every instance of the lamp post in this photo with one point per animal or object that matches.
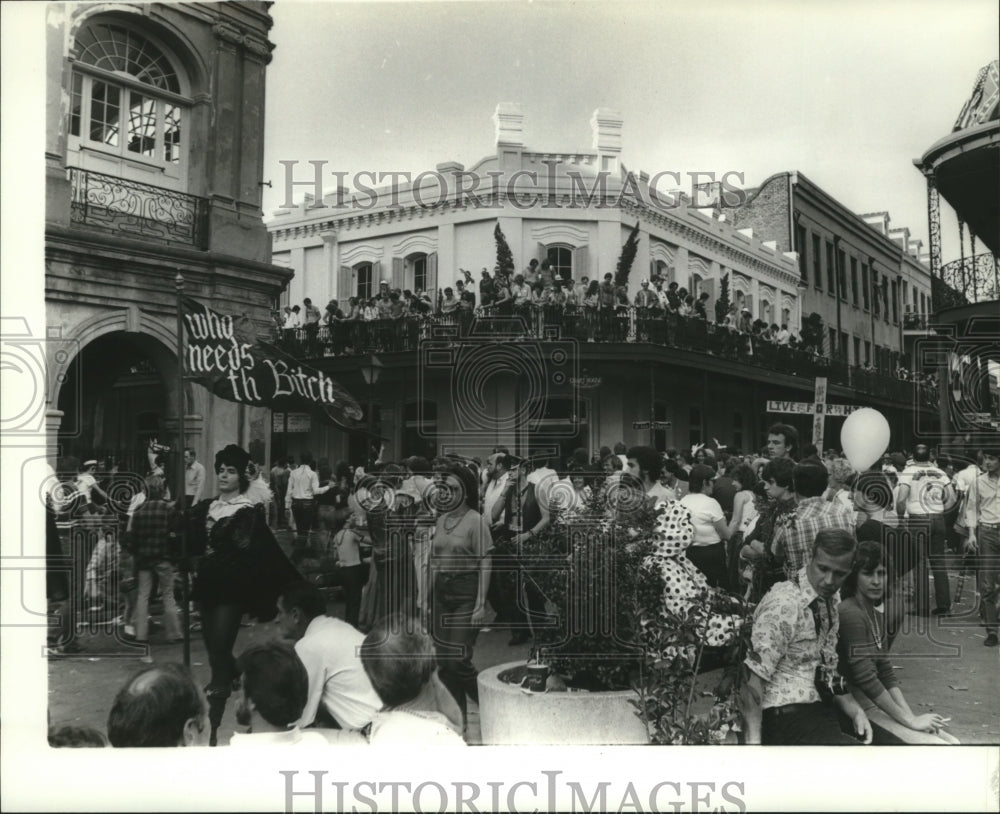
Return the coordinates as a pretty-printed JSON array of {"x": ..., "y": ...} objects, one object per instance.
[
  {"x": 181, "y": 500},
  {"x": 371, "y": 370}
]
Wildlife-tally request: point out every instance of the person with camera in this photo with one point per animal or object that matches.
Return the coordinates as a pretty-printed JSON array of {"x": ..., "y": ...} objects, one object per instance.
[{"x": 792, "y": 690}]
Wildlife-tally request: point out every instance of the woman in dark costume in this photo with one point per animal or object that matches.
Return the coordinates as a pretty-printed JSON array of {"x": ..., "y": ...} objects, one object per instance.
[{"x": 241, "y": 569}]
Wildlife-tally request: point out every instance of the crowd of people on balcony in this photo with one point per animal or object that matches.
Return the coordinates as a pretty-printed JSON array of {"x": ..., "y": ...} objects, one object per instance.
[{"x": 541, "y": 302}]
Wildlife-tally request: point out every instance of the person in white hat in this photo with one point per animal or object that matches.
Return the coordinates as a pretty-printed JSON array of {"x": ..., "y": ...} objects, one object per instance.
[{"x": 86, "y": 483}]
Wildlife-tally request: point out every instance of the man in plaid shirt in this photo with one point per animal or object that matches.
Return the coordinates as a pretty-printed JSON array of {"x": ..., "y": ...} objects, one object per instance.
[
  {"x": 148, "y": 538},
  {"x": 794, "y": 538}
]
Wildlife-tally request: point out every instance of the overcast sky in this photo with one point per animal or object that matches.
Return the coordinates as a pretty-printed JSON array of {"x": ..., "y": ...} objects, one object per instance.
[{"x": 847, "y": 92}]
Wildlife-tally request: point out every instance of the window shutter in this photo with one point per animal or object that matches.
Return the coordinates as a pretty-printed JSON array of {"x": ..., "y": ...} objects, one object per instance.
[
  {"x": 581, "y": 263},
  {"x": 397, "y": 272},
  {"x": 345, "y": 284},
  {"x": 432, "y": 274},
  {"x": 376, "y": 276},
  {"x": 543, "y": 252}
]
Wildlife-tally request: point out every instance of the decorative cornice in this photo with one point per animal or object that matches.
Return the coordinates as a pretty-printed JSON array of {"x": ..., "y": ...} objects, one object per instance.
[
  {"x": 260, "y": 49},
  {"x": 227, "y": 33}
]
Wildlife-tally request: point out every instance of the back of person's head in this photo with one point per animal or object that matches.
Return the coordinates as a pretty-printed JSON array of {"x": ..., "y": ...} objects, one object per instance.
[
  {"x": 620, "y": 448},
  {"x": 810, "y": 480},
  {"x": 76, "y": 737},
  {"x": 921, "y": 453},
  {"x": 699, "y": 475},
  {"x": 418, "y": 465},
  {"x": 649, "y": 461},
  {"x": 744, "y": 474},
  {"x": 275, "y": 680},
  {"x": 604, "y": 452},
  {"x": 840, "y": 470},
  {"x": 868, "y": 556},
  {"x": 781, "y": 471},
  {"x": 305, "y": 597},
  {"x": 398, "y": 658},
  {"x": 156, "y": 487},
  {"x": 809, "y": 450},
  {"x": 835, "y": 542},
  {"x": 306, "y": 459},
  {"x": 159, "y": 706},
  {"x": 675, "y": 469},
  {"x": 873, "y": 488}
]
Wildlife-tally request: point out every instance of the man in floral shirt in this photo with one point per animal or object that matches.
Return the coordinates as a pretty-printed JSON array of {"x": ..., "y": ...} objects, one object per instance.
[{"x": 794, "y": 654}]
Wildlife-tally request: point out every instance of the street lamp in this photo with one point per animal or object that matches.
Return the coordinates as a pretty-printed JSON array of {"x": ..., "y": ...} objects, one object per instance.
[{"x": 370, "y": 370}]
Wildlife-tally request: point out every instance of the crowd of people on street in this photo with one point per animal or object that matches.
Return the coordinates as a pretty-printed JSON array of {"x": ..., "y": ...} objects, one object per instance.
[{"x": 831, "y": 558}]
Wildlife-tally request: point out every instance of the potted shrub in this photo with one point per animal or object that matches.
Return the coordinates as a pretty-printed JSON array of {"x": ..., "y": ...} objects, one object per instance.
[{"x": 623, "y": 668}]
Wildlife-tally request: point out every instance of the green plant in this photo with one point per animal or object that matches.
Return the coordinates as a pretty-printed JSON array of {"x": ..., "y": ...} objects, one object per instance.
[
  {"x": 505, "y": 258},
  {"x": 627, "y": 257},
  {"x": 722, "y": 303}
]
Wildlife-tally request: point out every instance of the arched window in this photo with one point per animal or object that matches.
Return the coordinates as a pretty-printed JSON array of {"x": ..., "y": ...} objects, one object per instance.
[
  {"x": 561, "y": 259},
  {"x": 366, "y": 275},
  {"x": 128, "y": 105},
  {"x": 765, "y": 311}
]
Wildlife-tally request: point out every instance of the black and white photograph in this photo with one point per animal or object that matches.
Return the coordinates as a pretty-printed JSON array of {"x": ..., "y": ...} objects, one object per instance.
[{"x": 509, "y": 385}]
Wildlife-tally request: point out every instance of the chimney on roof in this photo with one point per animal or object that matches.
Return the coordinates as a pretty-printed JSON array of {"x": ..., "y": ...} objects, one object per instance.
[
  {"x": 606, "y": 127},
  {"x": 509, "y": 123}
]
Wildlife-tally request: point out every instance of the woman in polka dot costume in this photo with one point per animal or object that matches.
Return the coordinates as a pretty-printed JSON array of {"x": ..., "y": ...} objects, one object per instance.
[{"x": 684, "y": 583}]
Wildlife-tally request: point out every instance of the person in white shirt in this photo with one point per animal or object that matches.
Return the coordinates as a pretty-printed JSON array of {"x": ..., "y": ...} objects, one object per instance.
[
  {"x": 416, "y": 708},
  {"x": 274, "y": 690},
  {"x": 924, "y": 490},
  {"x": 328, "y": 647},
  {"x": 194, "y": 477},
  {"x": 708, "y": 550},
  {"x": 303, "y": 486},
  {"x": 982, "y": 517},
  {"x": 86, "y": 483}
]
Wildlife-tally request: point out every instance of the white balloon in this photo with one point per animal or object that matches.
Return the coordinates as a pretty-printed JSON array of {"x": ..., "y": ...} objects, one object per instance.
[{"x": 864, "y": 437}]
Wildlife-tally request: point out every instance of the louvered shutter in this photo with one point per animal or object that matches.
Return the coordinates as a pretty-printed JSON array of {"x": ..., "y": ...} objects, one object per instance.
[
  {"x": 345, "y": 284},
  {"x": 581, "y": 263},
  {"x": 397, "y": 272}
]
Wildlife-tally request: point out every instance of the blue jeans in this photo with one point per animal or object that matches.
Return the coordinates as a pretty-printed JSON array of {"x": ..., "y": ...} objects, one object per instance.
[{"x": 988, "y": 568}]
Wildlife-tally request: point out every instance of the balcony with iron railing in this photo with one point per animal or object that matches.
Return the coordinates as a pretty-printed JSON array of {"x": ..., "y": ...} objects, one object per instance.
[
  {"x": 971, "y": 279},
  {"x": 133, "y": 209},
  {"x": 623, "y": 326}
]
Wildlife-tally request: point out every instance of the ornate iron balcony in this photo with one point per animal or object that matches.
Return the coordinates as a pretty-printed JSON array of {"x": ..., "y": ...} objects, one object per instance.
[
  {"x": 129, "y": 207},
  {"x": 976, "y": 279},
  {"x": 621, "y": 326}
]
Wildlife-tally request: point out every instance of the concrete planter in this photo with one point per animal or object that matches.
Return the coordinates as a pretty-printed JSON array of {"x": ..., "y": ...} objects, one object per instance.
[{"x": 508, "y": 715}]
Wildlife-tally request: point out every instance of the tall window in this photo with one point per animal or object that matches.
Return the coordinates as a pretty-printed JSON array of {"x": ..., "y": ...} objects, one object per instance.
[
  {"x": 817, "y": 259},
  {"x": 854, "y": 281},
  {"x": 842, "y": 275},
  {"x": 865, "y": 293},
  {"x": 857, "y": 351},
  {"x": 800, "y": 244},
  {"x": 561, "y": 260},
  {"x": 832, "y": 338},
  {"x": 831, "y": 279},
  {"x": 895, "y": 301},
  {"x": 738, "y": 430},
  {"x": 420, "y": 272},
  {"x": 365, "y": 281},
  {"x": 126, "y": 98},
  {"x": 868, "y": 352}
]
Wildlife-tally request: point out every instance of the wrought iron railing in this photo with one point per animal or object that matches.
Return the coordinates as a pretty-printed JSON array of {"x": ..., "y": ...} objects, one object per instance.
[
  {"x": 974, "y": 279},
  {"x": 916, "y": 322},
  {"x": 125, "y": 206},
  {"x": 621, "y": 326}
]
